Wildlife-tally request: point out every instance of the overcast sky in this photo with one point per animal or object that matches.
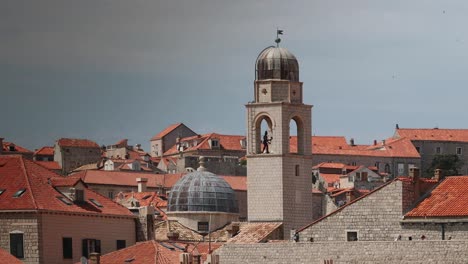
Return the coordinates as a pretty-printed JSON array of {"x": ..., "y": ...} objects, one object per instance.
[{"x": 112, "y": 69}]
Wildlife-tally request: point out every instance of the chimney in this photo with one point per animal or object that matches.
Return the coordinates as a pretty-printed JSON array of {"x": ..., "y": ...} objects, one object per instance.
[
  {"x": 414, "y": 175},
  {"x": 397, "y": 126},
  {"x": 94, "y": 258},
  {"x": 351, "y": 141},
  {"x": 142, "y": 184},
  {"x": 438, "y": 175},
  {"x": 375, "y": 142}
]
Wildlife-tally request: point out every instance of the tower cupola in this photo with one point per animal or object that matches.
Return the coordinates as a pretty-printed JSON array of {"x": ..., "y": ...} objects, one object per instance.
[{"x": 278, "y": 64}]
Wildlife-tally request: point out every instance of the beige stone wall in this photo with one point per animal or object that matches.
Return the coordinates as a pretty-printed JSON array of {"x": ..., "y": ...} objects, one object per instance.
[
  {"x": 414, "y": 252},
  {"x": 106, "y": 229},
  {"x": 71, "y": 158},
  {"x": 29, "y": 225}
]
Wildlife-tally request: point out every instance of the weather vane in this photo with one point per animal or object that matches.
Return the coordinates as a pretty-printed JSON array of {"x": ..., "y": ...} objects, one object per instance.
[{"x": 278, "y": 40}]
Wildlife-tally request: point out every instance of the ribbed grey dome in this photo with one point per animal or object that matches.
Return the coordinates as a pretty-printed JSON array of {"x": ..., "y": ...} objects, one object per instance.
[
  {"x": 277, "y": 63},
  {"x": 202, "y": 191}
]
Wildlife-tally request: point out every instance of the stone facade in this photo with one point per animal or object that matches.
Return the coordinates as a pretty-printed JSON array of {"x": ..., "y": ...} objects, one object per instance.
[
  {"x": 43, "y": 233},
  {"x": 161, "y": 145},
  {"x": 279, "y": 182},
  {"x": 414, "y": 252},
  {"x": 70, "y": 158},
  {"x": 429, "y": 149},
  {"x": 368, "y": 161},
  {"x": 219, "y": 164}
]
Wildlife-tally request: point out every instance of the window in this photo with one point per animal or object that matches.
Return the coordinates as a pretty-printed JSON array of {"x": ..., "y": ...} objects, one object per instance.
[
  {"x": 297, "y": 172},
  {"x": 64, "y": 200},
  {"x": 401, "y": 169},
  {"x": 353, "y": 163},
  {"x": 459, "y": 150},
  {"x": 19, "y": 193},
  {"x": 351, "y": 236},
  {"x": 95, "y": 202},
  {"x": 110, "y": 194},
  {"x": 121, "y": 244},
  {"x": 358, "y": 176},
  {"x": 90, "y": 246},
  {"x": 16, "y": 245},
  {"x": 214, "y": 143},
  {"x": 67, "y": 247},
  {"x": 364, "y": 176},
  {"x": 203, "y": 226},
  {"x": 438, "y": 150}
]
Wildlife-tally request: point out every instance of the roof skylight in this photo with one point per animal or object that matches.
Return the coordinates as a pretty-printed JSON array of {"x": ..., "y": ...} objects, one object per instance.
[
  {"x": 64, "y": 200},
  {"x": 19, "y": 193},
  {"x": 95, "y": 202}
]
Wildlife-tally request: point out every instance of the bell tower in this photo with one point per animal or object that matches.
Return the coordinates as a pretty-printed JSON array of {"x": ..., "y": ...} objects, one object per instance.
[{"x": 279, "y": 166}]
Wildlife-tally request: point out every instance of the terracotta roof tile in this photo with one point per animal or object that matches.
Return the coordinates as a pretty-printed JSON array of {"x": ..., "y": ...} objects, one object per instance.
[
  {"x": 448, "y": 199},
  {"x": 226, "y": 142},
  {"x": 18, "y": 173},
  {"x": 166, "y": 131},
  {"x": 51, "y": 165},
  {"x": 6, "y": 257},
  {"x": 74, "y": 142},
  {"x": 330, "y": 178},
  {"x": 435, "y": 134},
  {"x": 18, "y": 149},
  {"x": 46, "y": 151}
]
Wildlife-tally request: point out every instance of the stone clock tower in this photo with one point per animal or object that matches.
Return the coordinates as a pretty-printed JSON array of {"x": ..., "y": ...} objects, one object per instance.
[{"x": 279, "y": 182}]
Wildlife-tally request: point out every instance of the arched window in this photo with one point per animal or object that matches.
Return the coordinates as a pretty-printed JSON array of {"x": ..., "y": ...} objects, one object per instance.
[
  {"x": 296, "y": 136},
  {"x": 263, "y": 135}
]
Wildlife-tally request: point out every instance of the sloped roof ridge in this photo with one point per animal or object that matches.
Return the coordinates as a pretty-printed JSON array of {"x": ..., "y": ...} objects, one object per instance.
[
  {"x": 102, "y": 196},
  {"x": 348, "y": 204},
  {"x": 26, "y": 174}
]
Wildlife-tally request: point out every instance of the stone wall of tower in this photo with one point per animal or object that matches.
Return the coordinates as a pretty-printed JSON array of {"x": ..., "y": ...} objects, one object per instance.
[{"x": 280, "y": 182}]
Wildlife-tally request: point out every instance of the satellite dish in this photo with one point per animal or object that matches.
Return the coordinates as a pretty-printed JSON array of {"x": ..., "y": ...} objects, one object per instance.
[{"x": 84, "y": 260}]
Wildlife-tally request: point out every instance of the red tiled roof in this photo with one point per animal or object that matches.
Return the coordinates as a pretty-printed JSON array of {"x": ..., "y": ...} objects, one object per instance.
[
  {"x": 448, "y": 199},
  {"x": 330, "y": 165},
  {"x": 330, "y": 178},
  {"x": 18, "y": 173},
  {"x": 166, "y": 131},
  {"x": 157, "y": 252},
  {"x": 122, "y": 178},
  {"x": 46, "y": 151},
  {"x": 65, "y": 181},
  {"x": 435, "y": 134},
  {"x": 74, "y": 142},
  {"x": 18, "y": 149},
  {"x": 226, "y": 142},
  {"x": 401, "y": 147},
  {"x": 51, "y": 165},
  {"x": 6, "y": 257},
  {"x": 146, "y": 198}
]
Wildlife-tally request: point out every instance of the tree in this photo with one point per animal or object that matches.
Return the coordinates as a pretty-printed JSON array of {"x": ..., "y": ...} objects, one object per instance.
[{"x": 450, "y": 164}]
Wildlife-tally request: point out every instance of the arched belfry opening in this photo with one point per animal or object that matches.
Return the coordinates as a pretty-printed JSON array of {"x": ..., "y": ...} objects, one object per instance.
[
  {"x": 263, "y": 135},
  {"x": 296, "y": 135}
]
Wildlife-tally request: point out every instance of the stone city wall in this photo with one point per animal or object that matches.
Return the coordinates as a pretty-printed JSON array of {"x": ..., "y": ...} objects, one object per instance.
[{"x": 413, "y": 252}]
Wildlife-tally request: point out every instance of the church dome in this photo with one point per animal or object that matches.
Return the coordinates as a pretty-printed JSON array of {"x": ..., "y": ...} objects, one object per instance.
[
  {"x": 277, "y": 63},
  {"x": 202, "y": 191}
]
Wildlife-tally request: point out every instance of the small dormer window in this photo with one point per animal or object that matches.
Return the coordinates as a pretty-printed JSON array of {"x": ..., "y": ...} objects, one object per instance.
[
  {"x": 214, "y": 143},
  {"x": 12, "y": 147}
]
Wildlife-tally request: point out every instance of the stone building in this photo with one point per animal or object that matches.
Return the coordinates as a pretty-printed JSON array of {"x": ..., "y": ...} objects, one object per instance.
[
  {"x": 392, "y": 156},
  {"x": 44, "y": 154},
  {"x": 222, "y": 153},
  {"x": 167, "y": 138},
  {"x": 45, "y": 218},
  {"x": 432, "y": 142},
  {"x": 279, "y": 179},
  {"x": 73, "y": 153}
]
